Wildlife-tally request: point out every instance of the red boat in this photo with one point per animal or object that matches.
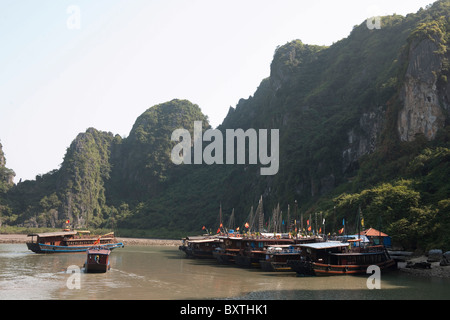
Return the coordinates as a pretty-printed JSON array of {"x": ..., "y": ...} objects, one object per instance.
[{"x": 97, "y": 260}]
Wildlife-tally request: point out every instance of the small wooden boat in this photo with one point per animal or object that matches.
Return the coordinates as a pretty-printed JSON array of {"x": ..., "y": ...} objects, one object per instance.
[{"x": 97, "y": 260}]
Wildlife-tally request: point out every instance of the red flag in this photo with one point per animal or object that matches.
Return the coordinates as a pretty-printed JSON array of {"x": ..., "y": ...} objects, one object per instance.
[
  {"x": 307, "y": 222},
  {"x": 342, "y": 230},
  {"x": 247, "y": 225},
  {"x": 218, "y": 230},
  {"x": 203, "y": 228},
  {"x": 309, "y": 228},
  {"x": 97, "y": 241},
  {"x": 67, "y": 221}
]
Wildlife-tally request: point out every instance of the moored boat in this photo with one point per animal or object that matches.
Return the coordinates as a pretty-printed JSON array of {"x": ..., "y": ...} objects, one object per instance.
[
  {"x": 253, "y": 250},
  {"x": 70, "y": 242},
  {"x": 337, "y": 258},
  {"x": 277, "y": 257},
  {"x": 200, "y": 247},
  {"x": 97, "y": 260}
]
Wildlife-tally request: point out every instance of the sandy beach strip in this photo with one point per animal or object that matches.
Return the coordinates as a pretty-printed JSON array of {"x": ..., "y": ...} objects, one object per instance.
[{"x": 23, "y": 238}]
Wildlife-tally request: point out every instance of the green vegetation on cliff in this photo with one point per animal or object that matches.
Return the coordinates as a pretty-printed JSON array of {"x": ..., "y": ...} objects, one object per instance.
[{"x": 352, "y": 135}]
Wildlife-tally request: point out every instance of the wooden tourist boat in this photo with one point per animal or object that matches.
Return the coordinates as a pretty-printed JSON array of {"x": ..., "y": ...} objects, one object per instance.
[
  {"x": 253, "y": 250},
  {"x": 69, "y": 242},
  {"x": 277, "y": 257},
  {"x": 228, "y": 249},
  {"x": 200, "y": 247},
  {"x": 337, "y": 258},
  {"x": 97, "y": 260}
]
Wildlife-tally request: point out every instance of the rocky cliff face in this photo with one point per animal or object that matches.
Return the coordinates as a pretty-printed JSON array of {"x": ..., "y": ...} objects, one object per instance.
[
  {"x": 363, "y": 139},
  {"x": 422, "y": 111}
]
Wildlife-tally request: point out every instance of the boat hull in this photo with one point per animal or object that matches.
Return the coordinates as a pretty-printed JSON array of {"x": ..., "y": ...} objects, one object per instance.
[
  {"x": 97, "y": 268},
  {"x": 275, "y": 266},
  {"x": 320, "y": 269},
  {"x": 46, "y": 248},
  {"x": 247, "y": 262}
]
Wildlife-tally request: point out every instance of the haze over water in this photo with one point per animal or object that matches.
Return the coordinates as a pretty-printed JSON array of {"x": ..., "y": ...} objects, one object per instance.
[{"x": 163, "y": 273}]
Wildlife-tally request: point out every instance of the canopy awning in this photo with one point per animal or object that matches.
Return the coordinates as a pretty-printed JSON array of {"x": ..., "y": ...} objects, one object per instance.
[{"x": 325, "y": 245}]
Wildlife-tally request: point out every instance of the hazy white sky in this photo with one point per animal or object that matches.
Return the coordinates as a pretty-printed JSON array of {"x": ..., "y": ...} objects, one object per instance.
[{"x": 61, "y": 72}]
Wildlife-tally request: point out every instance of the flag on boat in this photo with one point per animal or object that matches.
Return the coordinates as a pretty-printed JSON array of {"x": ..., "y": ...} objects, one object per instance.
[
  {"x": 341, "y": 231},
  {"x": 97, "y": 241}
]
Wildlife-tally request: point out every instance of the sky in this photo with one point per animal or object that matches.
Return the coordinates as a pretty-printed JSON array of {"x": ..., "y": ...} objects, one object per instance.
[{"x": 66, "y": 66}]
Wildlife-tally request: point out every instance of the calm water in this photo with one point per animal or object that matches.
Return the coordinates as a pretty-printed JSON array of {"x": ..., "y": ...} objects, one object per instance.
[{"x": 158, "y": 273}]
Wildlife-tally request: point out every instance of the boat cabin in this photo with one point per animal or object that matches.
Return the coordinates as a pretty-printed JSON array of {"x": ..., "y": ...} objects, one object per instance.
[{"x": 52, "y": 238}]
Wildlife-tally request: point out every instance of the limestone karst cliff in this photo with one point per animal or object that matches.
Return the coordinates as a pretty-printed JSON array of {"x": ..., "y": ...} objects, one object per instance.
[{"x": 423, "y": 98}]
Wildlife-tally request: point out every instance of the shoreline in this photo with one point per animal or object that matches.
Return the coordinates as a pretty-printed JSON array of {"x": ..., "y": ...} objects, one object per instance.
[{"x": 23, "y": 238}]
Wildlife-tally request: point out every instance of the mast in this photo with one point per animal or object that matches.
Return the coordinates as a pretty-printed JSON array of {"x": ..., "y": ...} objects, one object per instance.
[
  {"x": 231, "y": 221},
  {"x": 260, "y": 214},
  {"x": 359, "y": 222},
  {"x": 288, "y": 224},
  {"x": 220, "y": 217}
]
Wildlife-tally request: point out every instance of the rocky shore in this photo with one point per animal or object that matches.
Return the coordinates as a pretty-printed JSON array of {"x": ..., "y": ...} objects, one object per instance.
[
  {"x": 22, "y": 238},
  {"x": 434, "y": 269}
]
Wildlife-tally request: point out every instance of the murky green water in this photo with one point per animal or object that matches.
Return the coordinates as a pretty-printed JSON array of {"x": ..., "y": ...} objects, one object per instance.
[{"x": 163, "y": 273}]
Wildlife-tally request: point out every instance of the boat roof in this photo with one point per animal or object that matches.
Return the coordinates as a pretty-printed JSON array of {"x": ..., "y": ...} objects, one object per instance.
[
  {"x": 324, "y": 245},
  {"x": 53, "y": 234},
  {"x": 285, "y": 245},
  {"x": 357, "y": 253},
  {"x": 205, "y": 240},
  {"x": 98, "y": 251}
]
